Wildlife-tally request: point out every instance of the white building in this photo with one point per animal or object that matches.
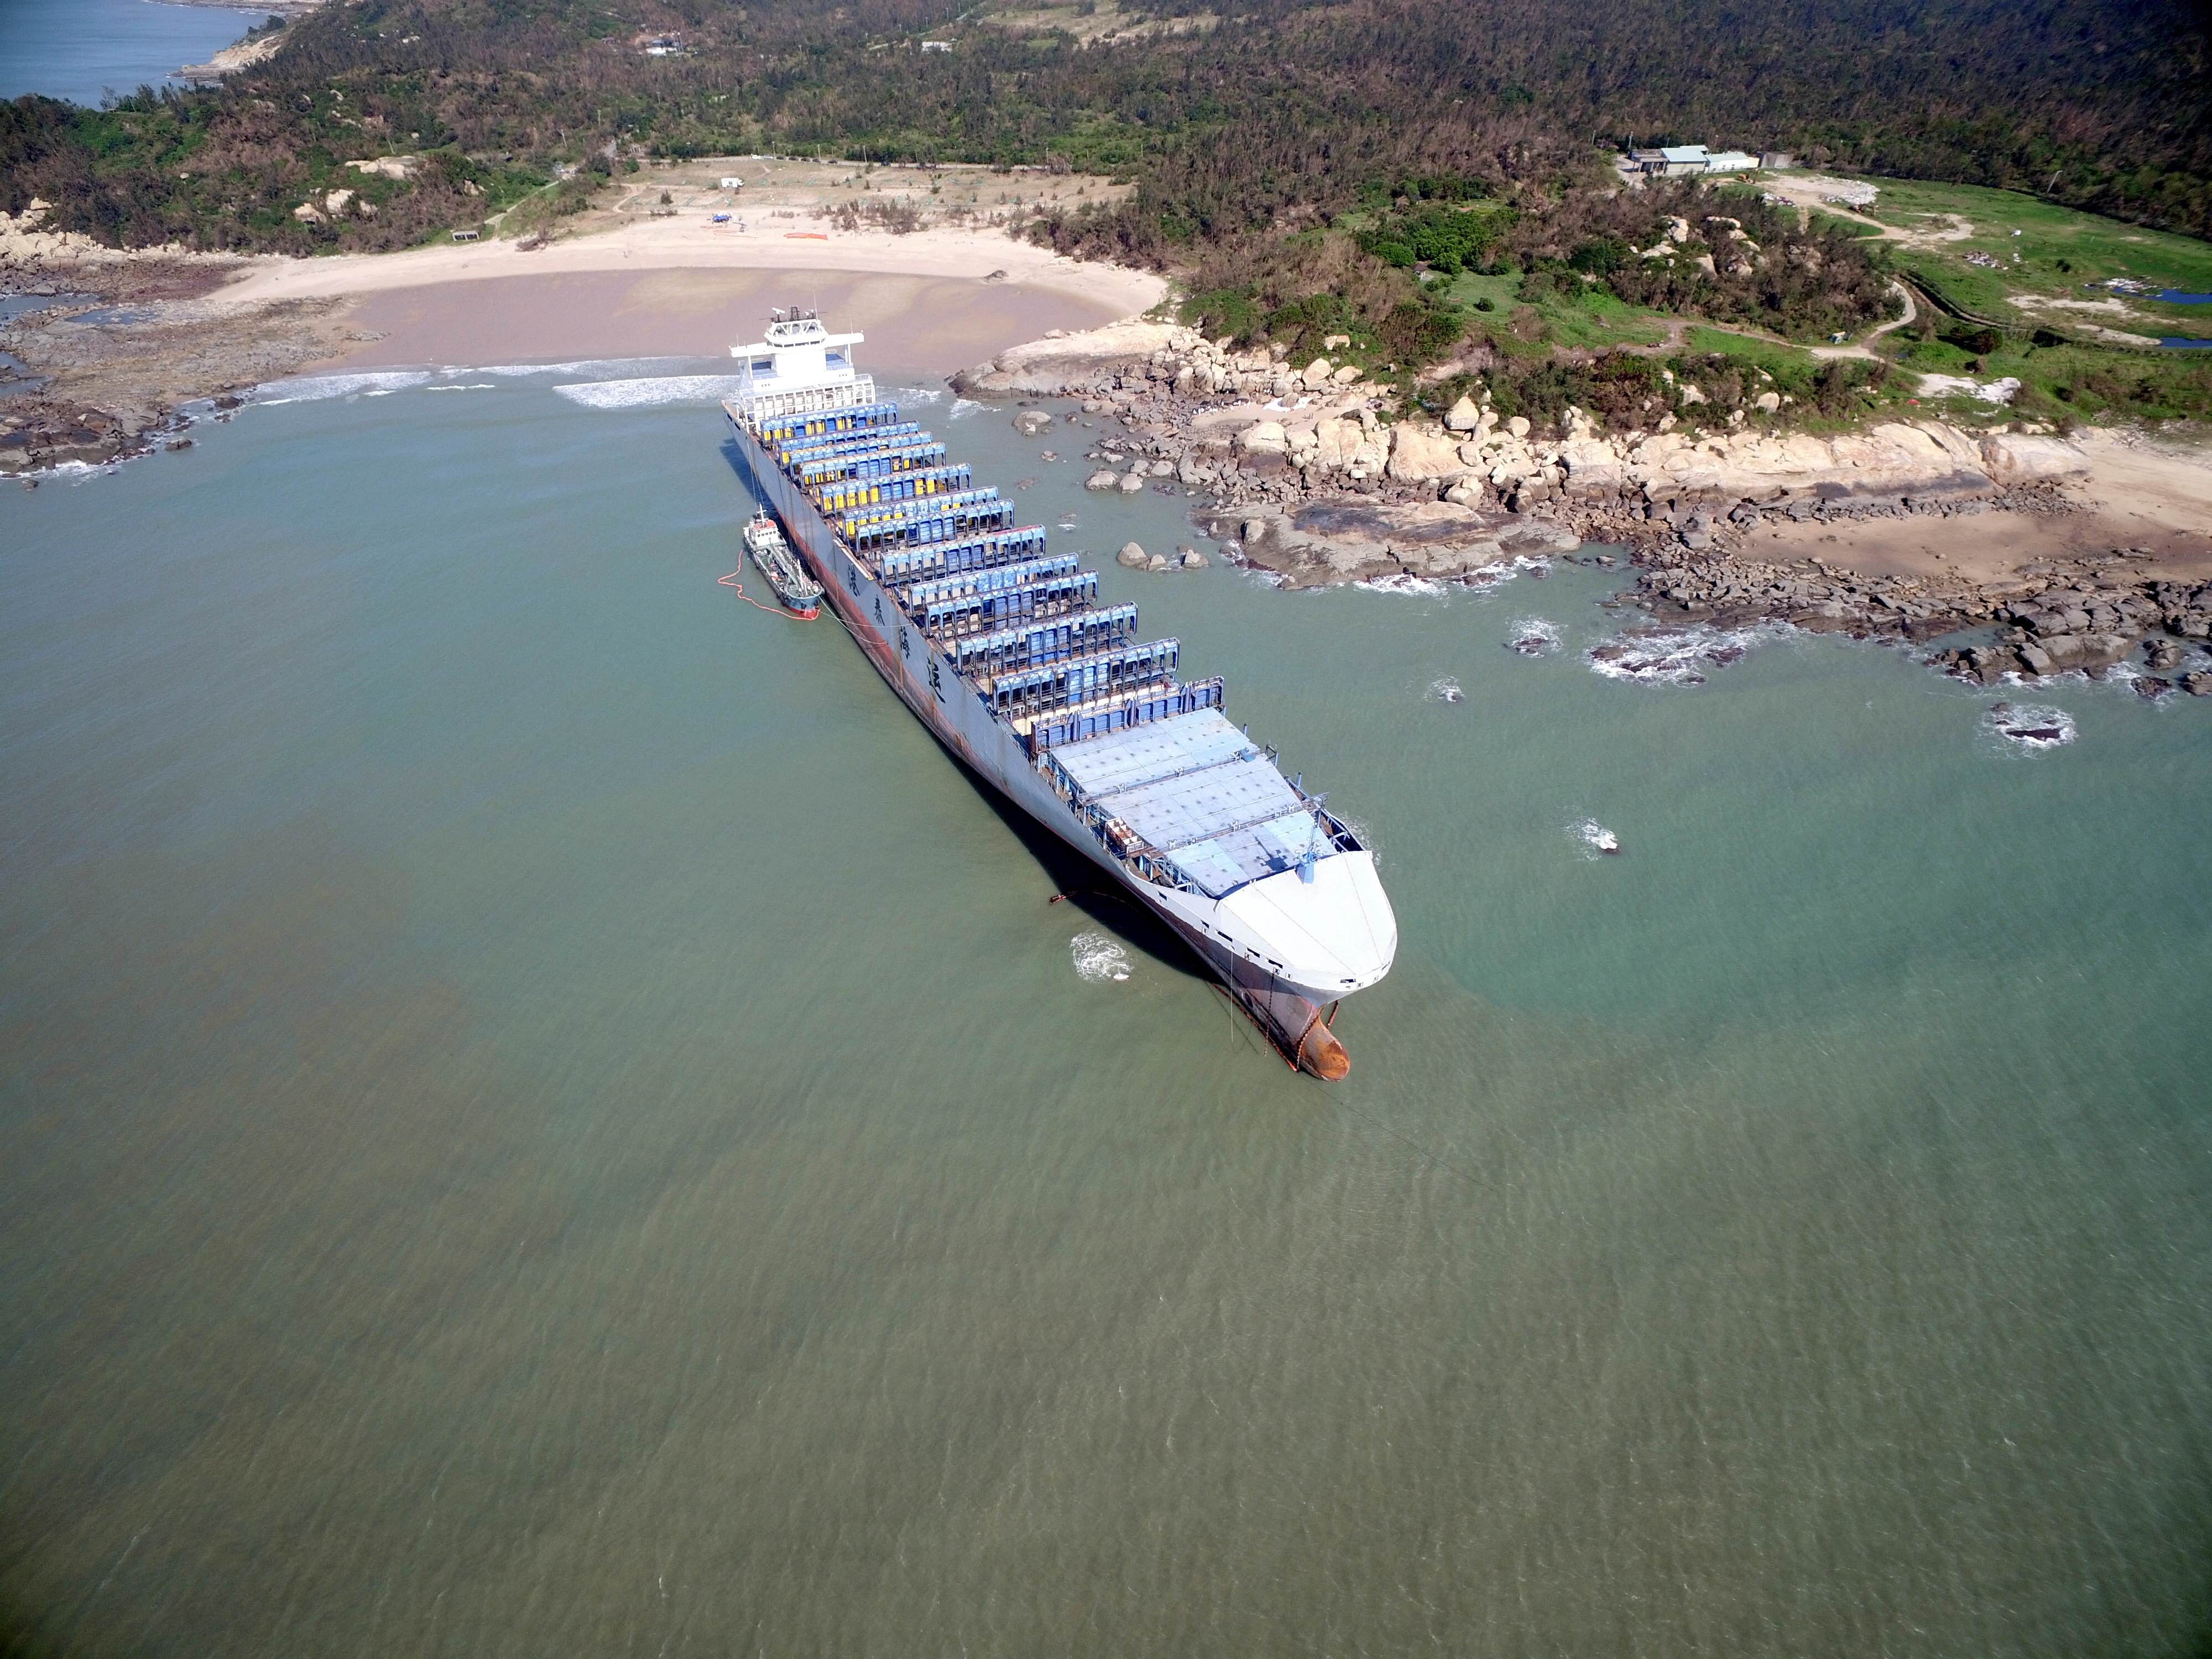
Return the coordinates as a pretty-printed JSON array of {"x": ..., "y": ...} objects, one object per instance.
[{"x": 1689, "y": 160}]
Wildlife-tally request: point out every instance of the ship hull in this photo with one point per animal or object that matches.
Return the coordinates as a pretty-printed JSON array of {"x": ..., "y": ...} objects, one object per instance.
[{"x": 928, "y": 683}]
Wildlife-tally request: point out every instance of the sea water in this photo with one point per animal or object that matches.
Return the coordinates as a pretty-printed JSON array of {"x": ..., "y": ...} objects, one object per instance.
[
  {"x": 83, "y": 50},
  {"x": 542, "y": 1113}
]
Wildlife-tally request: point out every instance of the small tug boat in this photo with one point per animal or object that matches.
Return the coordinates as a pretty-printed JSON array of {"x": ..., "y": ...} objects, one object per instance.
[{"x": 800, "y": 593}]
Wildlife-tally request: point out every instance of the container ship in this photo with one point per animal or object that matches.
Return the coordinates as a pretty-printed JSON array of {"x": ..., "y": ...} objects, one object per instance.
[{"x": 1004, "y": 651}]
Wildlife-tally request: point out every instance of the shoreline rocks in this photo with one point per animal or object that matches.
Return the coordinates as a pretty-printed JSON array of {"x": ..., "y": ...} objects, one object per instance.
[{"x": 1310, "y": 478}]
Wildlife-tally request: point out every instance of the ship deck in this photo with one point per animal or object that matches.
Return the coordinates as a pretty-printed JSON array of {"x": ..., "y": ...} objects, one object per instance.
[{"x": 1196, "y": 789}]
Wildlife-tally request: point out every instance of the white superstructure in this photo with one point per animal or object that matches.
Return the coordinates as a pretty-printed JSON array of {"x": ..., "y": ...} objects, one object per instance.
[{"x": 800, "y": 367}]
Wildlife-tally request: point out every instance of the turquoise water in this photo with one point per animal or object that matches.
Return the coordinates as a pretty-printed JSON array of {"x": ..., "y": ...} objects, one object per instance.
[
  {"x": 82, "y": 50},
  {"x": 542, "y": 1113}
]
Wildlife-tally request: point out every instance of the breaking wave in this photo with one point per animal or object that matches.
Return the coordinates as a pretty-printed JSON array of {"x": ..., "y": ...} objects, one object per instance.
[
  {"x": 962, "y": 408},
  {"x": 1597, "y": 841},
  {"x": 659, "y": 392},
  {"x": 1403, "y": 582},
  {"x": 1676, "y": 657},
  {"x": 1097, "y": 959},
  {"x": 2031, "y": 726},
  {"x": 314, "y": 388},
  {"x": 1445, "y": 690},
  {"x": 1533, "y": 636}
]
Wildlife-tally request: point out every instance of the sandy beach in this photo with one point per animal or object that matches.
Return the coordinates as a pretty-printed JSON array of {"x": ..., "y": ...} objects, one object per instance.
[
  {"x": 195, "y": 326},
  {"x": 677, "y": 244},
  {"x": 915, "y": 324},
  {"x": 931, "y": 301}
]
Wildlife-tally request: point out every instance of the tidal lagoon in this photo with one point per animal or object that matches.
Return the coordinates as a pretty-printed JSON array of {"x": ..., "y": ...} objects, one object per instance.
[{"x": 541, "y": 1113}]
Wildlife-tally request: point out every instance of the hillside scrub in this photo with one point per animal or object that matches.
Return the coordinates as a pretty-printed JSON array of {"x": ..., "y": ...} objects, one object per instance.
[{"x": 1277, "y": 118}]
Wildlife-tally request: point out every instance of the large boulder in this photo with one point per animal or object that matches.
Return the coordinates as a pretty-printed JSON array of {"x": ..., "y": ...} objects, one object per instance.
[
  {"x": 1466, "y": 415},
  {"x": 1888, "y": 459},
  {"x": 1132, "y": 556},
  {"x": 2020, "y": 457},
  {"x": 1594, "y": 468},
  {"x": 1419, "y": 453},
  {"x": 1264, "y": 437},
  {"x": 2086, "y": 650}
]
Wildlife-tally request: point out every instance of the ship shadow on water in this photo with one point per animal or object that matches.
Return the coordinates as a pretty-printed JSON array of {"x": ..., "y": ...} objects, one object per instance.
[
  {"x": 1077, "y": 881},
  {"x": 1079, "y": 884}
]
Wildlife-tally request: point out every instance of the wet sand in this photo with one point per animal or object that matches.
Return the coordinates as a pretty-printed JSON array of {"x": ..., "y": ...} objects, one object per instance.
[
  {"x": 2141, "y": 491},
  {"x": 926, "y": 324}
]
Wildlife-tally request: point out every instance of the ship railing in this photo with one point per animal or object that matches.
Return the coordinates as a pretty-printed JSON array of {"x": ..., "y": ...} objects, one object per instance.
[
  {"x": 1341, "y": 836},
  {"x": 1135, "y": 855}
]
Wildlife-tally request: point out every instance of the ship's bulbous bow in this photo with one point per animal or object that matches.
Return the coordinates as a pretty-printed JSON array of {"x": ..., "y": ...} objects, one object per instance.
[{"x": 1296, "y": 945}]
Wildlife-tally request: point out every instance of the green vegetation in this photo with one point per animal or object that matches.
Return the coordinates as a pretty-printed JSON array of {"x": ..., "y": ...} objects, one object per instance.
[
  {"x": 2067, "y": 383},
  {"x": 1529, "y": 315},
  {"x": 1447, "y": 237},
  {"x": 2008, "y": 257},
  {"x": 1264, "y": 121},
  {"x": 1430, "y": 180}
]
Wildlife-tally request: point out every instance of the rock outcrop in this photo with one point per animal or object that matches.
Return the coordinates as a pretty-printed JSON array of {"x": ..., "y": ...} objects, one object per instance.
[{"x": 1073, "y": 362}]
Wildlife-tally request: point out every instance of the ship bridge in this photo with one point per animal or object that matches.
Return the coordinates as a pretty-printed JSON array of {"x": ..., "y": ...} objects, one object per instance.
[{"x": 799, "y": 366}]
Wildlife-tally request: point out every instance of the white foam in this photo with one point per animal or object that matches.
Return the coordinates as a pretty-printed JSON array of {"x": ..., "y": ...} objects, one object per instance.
[
  {"x": 1097, "y": 959},
  {"x": 1597, "y": 841},
  {"x": 1677, "y": 657},
  {"x": 476, "y": 385},
  {"x": 311, "y": 389},
  {"x": 1534, "y": 637},
  {"x": 2029, "y": 727},
  {"x": 918, "y": 394},
  {"x": 1404, "y": 582},
  {"x": 1445, "y": 690},
  {"x": 657, "y": 391},
  {"x": 962, "y": 408}
]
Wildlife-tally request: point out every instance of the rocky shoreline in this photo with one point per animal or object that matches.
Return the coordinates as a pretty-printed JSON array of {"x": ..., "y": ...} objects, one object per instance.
[
  {"x": 110, "y": 347},
  {"x": 1301, "y": 471}
]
